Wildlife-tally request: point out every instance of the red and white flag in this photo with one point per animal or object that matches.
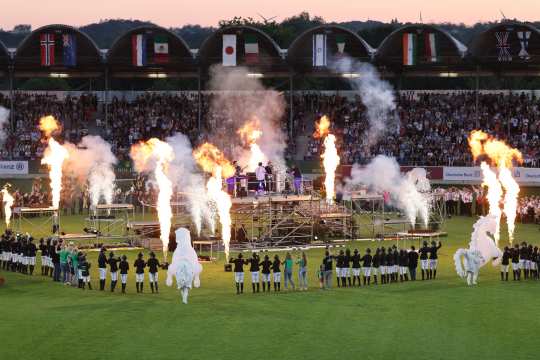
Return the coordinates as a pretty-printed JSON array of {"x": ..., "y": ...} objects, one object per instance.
[
  {"x": 229, "y": 50},
  {"x": 46, "y": 42}
]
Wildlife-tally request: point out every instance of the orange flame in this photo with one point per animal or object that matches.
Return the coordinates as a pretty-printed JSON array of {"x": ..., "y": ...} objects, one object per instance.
[
  {"x": 209, "y": 157},
  {"x": 250, "y": 132},
  {"x": 322, "y": 127},
  {"x": 48, "y": 125},
  {"x": 8, "y": 201},
  {"x": 497, "y": 150}
]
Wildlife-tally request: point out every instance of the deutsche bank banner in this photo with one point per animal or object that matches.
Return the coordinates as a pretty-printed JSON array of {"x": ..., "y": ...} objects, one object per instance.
[
  {"x": 13, "y": 167},
  {"x": 474, "y": 174}
]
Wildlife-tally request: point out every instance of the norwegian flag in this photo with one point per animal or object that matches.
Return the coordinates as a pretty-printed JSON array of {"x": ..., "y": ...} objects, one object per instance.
[
  {"x": 47, "y": 49},
  {"x": 503, "y": 46}
]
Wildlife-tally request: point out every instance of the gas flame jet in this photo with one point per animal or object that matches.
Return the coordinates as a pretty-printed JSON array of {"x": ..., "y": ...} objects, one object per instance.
[
  {"x": 213, "y": 161},
  {"x": 54, "y": 156},
  {"x": 330, "y": 157},
  {"x": 250, "y": 133},
  {"x": 155, "y": 155},
  {"x": 8, "y": 201},
  {"x": 503, "y": 156}
]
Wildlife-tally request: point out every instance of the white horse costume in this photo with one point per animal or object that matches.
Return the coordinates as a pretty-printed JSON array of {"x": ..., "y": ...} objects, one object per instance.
[
  {"x": 482, "y": 248},
  {"x": 185, "y": 265}
]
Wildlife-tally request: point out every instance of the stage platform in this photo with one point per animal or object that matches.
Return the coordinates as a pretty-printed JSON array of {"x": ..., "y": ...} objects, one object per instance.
[
  {"x": 135, "y": 225},
  {"x": 67, "y": 237},
  {"x": 114, "y": 207},
  {"x": 31, "y": 210},
  {"x": 270, "y": 198},
  {"x": 428, "y": 235}
]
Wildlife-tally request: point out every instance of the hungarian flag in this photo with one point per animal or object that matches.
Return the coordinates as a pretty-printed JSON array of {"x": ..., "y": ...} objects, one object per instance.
[
  {"x": 430, "y": 45},
  {"x": 319, "y": 50},
  {"x": 229, "y": 50},
  {"x": 69, "y": 49},
  {"x": 340, "y": 42},
  {"x": 161, "y": 49},
  {"x": 251, "y": 49},
  {"x": 46, "y": 42},
  {"x": 409, "y": 49},
  {"x": 138, "y": 50}
]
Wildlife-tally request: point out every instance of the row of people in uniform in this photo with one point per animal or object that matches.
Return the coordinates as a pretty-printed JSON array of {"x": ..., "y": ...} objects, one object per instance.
[
  {"x": 17, "y": 252},
  {"x": 524, "y": 260},
  {"x": 391, "y": 265}
]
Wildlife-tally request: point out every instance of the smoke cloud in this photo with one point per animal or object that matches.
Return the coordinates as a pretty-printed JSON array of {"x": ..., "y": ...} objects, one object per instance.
[
  {"x": 383, "y": 174},
  {"x": 238, "y": 99},
  {"x": 92, "y": 160},
  {"x": 183, "y": 174},
  {"x": 377, "y": 96}
]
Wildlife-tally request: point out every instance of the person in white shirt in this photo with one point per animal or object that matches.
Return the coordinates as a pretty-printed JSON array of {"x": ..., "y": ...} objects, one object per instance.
[{"x": 260, "y": 174}]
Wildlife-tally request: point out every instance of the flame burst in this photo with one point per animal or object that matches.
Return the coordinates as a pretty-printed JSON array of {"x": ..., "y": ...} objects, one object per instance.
[
  {"x": 54, "y": 156},
  {"x": 330, "y": 156},
  {"x": 212, "y": 161},
  {"x": 156, "y": 155},
  {"x": 503, "y": 156},
  {"x": 8, "y": 201},
  {"x": 250, "y": 133}
]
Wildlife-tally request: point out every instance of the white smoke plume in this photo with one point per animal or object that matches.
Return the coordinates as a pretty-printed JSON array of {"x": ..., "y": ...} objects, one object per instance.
[
  {"x": 184, "y": 175},
  {"x": 92, "y": 161},
  {"x": 247, "y": 100},
  {"x": 383, "y": 174},
  {"x": 376, "y": 94},
  {"x": 4, "y": 121}
]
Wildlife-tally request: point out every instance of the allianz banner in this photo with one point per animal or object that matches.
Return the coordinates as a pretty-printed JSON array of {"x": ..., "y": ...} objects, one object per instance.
[
  {"x": 474, "y": 174},
  {"x": 13, "y": 168}
]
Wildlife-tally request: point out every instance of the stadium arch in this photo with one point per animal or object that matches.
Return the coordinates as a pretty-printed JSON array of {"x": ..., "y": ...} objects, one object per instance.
[
  {"x": 421, "y": 50},
  {"x": 57, "y": 51},
  {"x": 339, "y": 41},
  {"x": 512, "y": 48},
  {"x": 150, "y": 51},
  {"x": 255, "y": 50}
]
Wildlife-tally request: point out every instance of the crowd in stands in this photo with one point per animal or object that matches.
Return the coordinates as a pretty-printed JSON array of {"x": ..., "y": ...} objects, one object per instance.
[
  {"x": 23, "y": 138},
  {"x": 433, "y": 127}
]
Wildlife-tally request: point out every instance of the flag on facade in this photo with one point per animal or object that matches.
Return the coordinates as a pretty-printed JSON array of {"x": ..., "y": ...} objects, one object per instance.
[
  {"x": 340, "y": 42},
  {"x": 523, "y": 37},
  {"x": 319, "y": 50},
  {"x": 138, "y": 50},
  {"x": 430, "y": 45},
  {"x": 161, "y": 49},
  {"x": 69, "y": 49},
  {"x": 229, "y": 50},
  {"x": 503, "y": 46},
  {"x": 251, "y": 49},
  {"x": 409, "y": 49},
  {"x": 46, "y": 42}
]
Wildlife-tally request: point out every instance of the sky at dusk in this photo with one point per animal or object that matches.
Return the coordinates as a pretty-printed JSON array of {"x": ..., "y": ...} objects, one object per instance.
[{"x": 208, "y": 12}]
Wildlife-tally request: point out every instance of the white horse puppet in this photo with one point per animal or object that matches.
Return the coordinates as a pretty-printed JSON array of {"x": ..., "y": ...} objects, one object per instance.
[
  {"x": 482, "y": 249},
  {"x": 185, "y": 265}
]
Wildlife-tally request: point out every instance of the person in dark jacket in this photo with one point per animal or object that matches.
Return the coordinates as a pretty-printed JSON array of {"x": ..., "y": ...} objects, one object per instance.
[
  {"x": 433, "y": 259},
  {"x": 113, "y": 269},
  {"x": 55, "y": 258},
  {"x": 356, "y": 267},
  {"x": 375, "y": 265},
  {"x": 413, "y": 262},
  {"x": 239, "y": 263},
  {"x": 367, "y": 262},
  {"x": 31, "y": 251},
  {"x": 424, "y": 261},
  {"x": 254, "y": 270},
  {"x": 505, "y": 263},
  {"x": 153, "y": 266},
  {"x": 102, "y": 265},
  {"x": 124, "y": 269},
  {"x": 403, "y": 261},
  {"x": 139, "y": 266},
  {"x": 266, "y": 265},
  {"x": 276, "y": 264},
  {"x": 84, "y": 267},
  {"x": 514, "y": 253}
]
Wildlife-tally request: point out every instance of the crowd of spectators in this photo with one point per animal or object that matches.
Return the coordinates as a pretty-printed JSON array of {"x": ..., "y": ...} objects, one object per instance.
[
  {"x": 433, "y": 127},
  {"x": 23, "y": 138}
]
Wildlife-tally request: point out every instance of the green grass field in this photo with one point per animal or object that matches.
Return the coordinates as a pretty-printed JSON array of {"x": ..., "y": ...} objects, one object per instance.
[{"x": 438, "y": 319}]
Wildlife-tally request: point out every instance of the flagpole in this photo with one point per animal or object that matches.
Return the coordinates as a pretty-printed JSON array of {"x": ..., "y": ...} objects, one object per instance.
[
  {"x": 291, "y": 110},
  {"x": 199, "y": 105},
  {"x": 11, "y": 97}
]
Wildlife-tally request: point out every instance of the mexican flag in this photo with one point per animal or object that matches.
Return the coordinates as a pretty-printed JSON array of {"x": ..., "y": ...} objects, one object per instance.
[
  {"x": 251, "y": 49},
  {"x": 340, "y": 42},
  {"x": 430, "y": 45},
  {"x": 161, "y": 49},
  {"x": 409, "y": 49}
]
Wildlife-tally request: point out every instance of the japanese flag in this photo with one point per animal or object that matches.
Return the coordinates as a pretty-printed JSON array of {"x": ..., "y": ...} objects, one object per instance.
[{"x": 229, "y": 50}]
